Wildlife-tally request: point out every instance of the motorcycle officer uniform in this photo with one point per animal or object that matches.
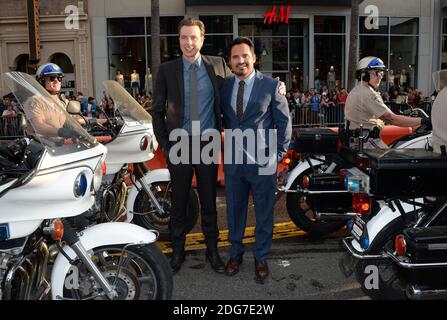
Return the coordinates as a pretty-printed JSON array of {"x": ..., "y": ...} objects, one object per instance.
[{"x": 365, "y": 106}]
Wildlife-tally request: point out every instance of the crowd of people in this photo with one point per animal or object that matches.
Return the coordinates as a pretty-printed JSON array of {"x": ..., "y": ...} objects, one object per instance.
[{"x": 324, "y": 107}]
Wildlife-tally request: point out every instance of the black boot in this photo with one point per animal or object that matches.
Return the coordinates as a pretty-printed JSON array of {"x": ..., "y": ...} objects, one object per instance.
[
  {"x": 177, "y": 258},
  {"x": 212, "y": 255}
]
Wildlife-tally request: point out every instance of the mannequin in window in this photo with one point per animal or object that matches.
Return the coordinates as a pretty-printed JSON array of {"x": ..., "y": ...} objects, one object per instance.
[
  {"x": 403, "y": 79},
  {"x": 148, "y": 82},
  {"x": 391, "y": 78},
  {"x": 331, "y": 79},
  {"x": 119, "y": 78},
  {"x": 135, "y": 83}
]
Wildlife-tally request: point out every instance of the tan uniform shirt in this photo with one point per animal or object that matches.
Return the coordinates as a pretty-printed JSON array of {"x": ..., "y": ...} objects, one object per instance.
[
  {"x": 365, "y": 106},
  {"x": 439, "y": 121},
  {"x": 51, "y": 113}
]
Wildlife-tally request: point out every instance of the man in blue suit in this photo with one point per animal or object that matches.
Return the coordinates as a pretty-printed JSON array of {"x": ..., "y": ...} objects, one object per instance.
[{"x": 254, "y": 113}]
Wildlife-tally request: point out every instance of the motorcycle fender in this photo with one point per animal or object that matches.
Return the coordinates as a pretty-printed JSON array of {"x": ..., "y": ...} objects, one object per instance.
[
  {"x": 298, "y": 170},
  {"x": 150, "y": 177},
  {"x": 383, "y": 218},
  {"x": 110, "y": 233}
]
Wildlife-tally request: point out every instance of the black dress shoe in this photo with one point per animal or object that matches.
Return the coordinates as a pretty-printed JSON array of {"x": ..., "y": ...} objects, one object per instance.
[
  {"x": 212, "y": 255},
  {"x": 261, "y": 271},
  {"x": 232, "y": 266},
  {"x": 176, "y": 261}
]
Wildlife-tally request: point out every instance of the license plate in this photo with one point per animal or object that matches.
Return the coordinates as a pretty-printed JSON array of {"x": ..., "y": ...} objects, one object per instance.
[{"x": 358, "y": 227}]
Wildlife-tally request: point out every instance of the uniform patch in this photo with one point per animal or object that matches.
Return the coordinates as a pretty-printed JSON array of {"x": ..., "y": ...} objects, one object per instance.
[{"x": 376, "y": 98}]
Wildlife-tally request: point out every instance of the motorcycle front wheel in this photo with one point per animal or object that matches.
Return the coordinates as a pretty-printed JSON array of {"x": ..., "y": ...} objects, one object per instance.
[
  {"x": 151, "y": 218},
  {"x": 138, "y": 272}
]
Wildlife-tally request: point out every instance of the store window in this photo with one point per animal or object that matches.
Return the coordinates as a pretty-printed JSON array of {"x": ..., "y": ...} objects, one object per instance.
[
  {"x": 329, "y": 52},
  {"x": 444, "y": 44},
  {"x": 219, "y": 35},
  {"x": 396, "y": 43},
  {"x": 129, "y": 46},
  {"x": 281, "y": 49}
]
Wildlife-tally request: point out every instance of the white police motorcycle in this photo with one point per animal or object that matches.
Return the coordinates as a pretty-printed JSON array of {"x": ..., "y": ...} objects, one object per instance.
[
  {"x": 47, "y": 180},
  {"x": 323, "y": 211},
  {"x": 130, "y": 141}
]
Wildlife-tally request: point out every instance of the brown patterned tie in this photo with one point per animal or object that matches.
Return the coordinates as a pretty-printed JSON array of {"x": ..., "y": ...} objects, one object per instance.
[{"x": 240, "y": 101}]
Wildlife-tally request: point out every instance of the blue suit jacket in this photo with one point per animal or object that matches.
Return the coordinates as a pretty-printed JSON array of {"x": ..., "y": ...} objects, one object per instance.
[{"x": 266, "y": 110}]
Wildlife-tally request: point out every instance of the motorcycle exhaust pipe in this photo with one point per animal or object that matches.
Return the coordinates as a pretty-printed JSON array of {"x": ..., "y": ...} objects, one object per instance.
[
  {"x": 414, "y": 292},
  {"x": 334, "y": 216}
]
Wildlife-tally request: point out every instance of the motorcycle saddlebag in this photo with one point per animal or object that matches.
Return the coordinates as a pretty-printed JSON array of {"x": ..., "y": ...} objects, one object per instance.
[
  {"x": 406, "y": 172},
  {"x": 426, "y": 245},
  {"x": 315, "y": 140}
]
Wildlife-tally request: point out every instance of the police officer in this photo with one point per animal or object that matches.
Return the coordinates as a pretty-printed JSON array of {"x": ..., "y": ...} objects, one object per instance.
[
  {"x": 46, "y": 119},
  {"x": 365, "y": 106}
]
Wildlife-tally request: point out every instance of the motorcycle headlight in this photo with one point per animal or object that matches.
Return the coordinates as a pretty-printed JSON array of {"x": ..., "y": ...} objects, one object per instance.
[{"x": 80, "y": 185}]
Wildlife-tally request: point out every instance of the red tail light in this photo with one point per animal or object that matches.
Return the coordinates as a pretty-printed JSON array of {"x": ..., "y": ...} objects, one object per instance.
[
  {"x": 400, "y": 245},
  {"x": 361, "y": 203},
  {"x": 144, "y": 143},
  {"x": 362, "y": 162},
  {"x": 305, "y": 182}
]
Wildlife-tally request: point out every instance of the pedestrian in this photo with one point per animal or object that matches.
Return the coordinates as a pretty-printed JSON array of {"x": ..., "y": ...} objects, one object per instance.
[{"x": 250, "y": 101}]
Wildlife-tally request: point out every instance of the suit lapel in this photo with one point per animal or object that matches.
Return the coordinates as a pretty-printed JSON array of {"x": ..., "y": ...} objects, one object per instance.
[
  {"x": 210, "y": 71},
  {"x": 226, "y": 96},
  {"x": 180, "y": 80},
  {"x": 254, "y": 90}
]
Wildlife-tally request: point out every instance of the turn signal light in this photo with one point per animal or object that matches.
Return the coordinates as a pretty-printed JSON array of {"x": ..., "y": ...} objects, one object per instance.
[
  {"x": 58, "y": 230},
  {"x": 400, "y": 245},
  {"x": 361, "y": 203},
  {"x": 104, "y": 168}
]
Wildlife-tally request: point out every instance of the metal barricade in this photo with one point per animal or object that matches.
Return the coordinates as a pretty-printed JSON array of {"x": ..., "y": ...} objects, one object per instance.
[
  {"x": 334, "y": 116},
  {"x": 11, "y": 127}
]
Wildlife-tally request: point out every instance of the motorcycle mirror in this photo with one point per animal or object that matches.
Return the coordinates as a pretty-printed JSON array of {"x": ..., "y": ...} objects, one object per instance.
[{"x": 74, "y": 107}]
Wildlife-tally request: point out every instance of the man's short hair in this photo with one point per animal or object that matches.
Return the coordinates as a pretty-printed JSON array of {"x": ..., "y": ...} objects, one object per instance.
[
  {"x": 241, "y": 40},
  {"x": 189, "y": 22}
]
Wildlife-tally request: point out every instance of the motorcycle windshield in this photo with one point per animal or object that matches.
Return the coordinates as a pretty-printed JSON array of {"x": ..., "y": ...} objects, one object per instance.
[
  {"x": 440, "y": 79},
  {"x": 127, "y": 106},
  {"x": 46, "y": 118}
]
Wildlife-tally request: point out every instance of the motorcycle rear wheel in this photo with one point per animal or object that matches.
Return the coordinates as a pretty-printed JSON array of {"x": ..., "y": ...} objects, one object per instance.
[
  {"x": 301, "y": 212},
  {"x": 139, "y": 272},
  {"x": 152, "y": 220}
]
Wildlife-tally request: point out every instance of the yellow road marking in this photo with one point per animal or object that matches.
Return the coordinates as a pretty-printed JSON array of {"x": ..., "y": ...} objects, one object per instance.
[{"x": 195, "y": 241}]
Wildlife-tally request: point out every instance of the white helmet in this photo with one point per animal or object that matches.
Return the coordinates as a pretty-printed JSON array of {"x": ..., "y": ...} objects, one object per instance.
[{"x": 369, "y": 63}]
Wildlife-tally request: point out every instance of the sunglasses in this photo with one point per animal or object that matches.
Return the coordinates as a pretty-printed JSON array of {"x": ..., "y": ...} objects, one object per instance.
[
  {"x": 52, "y": 78},
  {"x": 379, "y": 73}
]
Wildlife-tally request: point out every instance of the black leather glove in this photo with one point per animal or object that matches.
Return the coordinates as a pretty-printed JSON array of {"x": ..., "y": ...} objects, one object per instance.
[
  {"x": 66, "y": 133},
  {"x": 426, "y": 122}
]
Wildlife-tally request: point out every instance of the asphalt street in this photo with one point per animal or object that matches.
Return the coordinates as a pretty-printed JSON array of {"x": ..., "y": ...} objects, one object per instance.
[{"x": 301, "y": 268}]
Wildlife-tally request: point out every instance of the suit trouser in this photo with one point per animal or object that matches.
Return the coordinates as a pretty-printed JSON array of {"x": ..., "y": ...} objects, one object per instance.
[
  {"x": 237, "y": 187},
  {"x": 181, "y": 178}
]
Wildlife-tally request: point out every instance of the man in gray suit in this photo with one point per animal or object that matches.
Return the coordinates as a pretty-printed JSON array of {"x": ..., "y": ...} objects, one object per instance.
[{"x": 251, "y": 102}]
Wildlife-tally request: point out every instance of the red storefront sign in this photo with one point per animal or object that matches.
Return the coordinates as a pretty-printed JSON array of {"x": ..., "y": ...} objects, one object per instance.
[{"x": 270, "y": 16}]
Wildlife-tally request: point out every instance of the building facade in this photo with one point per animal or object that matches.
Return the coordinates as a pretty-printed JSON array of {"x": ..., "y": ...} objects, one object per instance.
[
  {"x": 61, "y": 42},
  {"x": 300, "y": 47}
]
